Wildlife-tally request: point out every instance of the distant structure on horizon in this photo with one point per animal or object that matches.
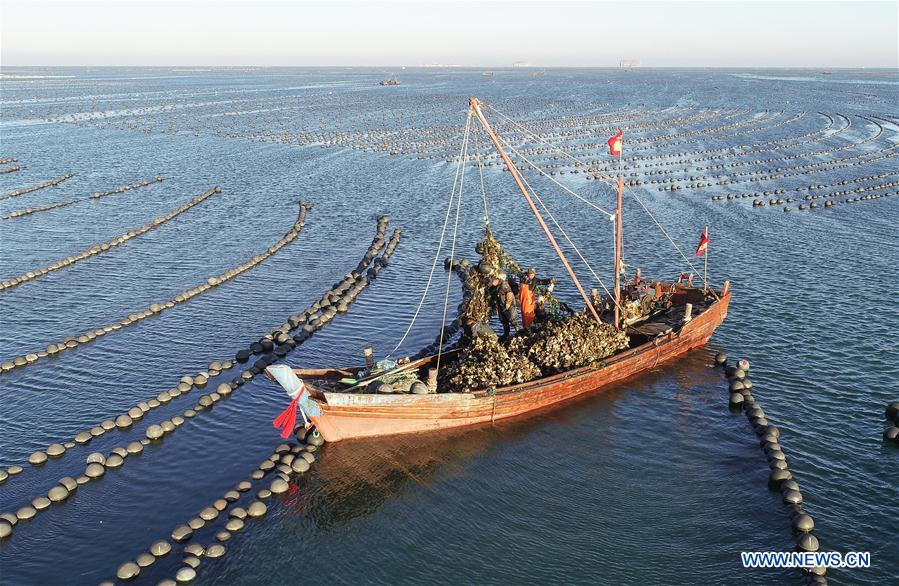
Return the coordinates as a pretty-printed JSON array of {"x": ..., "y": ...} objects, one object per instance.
[
  {"x": 522, "y": 64},
  {"x": 628, "y": 63}
]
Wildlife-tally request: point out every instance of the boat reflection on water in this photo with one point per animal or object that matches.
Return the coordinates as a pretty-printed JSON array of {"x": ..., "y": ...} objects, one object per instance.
[{"x": 353, "y": 479}]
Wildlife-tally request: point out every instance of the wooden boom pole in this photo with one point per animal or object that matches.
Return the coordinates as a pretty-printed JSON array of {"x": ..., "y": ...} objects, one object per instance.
[{"x": 475, "y": 105}]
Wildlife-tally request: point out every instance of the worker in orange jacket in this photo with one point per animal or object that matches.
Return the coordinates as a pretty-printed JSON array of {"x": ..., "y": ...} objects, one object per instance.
[{"x": 526, "y": 296}]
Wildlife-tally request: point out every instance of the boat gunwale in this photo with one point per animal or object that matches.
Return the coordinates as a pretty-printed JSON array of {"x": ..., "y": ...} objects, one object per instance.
[{"x": 586, "y": 370}]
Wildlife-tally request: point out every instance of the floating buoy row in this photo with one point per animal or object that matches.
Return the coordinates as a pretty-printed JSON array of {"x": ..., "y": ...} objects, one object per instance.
[
  {"x": 45, "y": 184},
  {"x": 811, "y": 197},
  {"x": 68, "y": 202},
  {"x": 6, "y": 160},
  {"x": 286, "y": 464},
  {"x": 123, "y": 421},
  {"x": 98, "y": 463},
  {"x": 891, "y": 434},
  {"x": 794, "y": 171},
  {"x": 157, "y": 308},
  {"x": 827, "y": 204},
  {"x": 109, "y": 244},
  {"x": 124, "y": 188},
  {"x": 690, "y": 158},
  {"x": 11, "y": 169},
  {"x": 29, "y": 211},
  {"x": 823, "y": 152},
  {"x": 780, "y": 478},
  {"x": 279, "y": 342}
]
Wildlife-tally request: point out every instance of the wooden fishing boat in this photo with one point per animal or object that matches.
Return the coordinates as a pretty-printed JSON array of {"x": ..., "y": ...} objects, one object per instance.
[
  {"x": 687, "y": 320},
  {"x": 347, "y": 415}
]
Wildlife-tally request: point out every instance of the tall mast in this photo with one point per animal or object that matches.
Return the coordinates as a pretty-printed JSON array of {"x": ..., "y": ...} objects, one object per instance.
[
  {"x": 618, "y": 245},
  {"x": 475, "y": 105}
]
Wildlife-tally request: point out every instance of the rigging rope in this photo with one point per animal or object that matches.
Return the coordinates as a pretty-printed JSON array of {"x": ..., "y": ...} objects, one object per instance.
[
  {"x": 477, "y": 154},
  {"x": 449, "y": 209},
  {"x": 449, "y": 273},
  {"x": 611, "y": 215},
  {"x": 607, "y": 179},
  {"x": 565, "y": 235}
]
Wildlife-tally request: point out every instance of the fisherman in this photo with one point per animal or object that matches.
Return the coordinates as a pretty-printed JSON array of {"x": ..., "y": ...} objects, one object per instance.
[
  {"x": 473, "y": 329},
  {"x": 503, "y": 300},
  {"x": 541, "y": 311},
  {"x": 527, "y": 285}
]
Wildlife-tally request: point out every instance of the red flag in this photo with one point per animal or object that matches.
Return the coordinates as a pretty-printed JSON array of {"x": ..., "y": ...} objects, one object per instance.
[
  {"x": 703, "y": 243},
  {"x": 615, "y": 145}
]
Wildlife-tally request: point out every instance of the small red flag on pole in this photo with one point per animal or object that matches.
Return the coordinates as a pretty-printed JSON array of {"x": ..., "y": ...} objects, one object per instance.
[
  {"x": 615, "y": 145},
  {"x": 703, "y": 243}
]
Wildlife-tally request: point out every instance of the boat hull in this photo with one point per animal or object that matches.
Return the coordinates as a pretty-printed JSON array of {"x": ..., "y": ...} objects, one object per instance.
[{"x": 351, "y": 415}]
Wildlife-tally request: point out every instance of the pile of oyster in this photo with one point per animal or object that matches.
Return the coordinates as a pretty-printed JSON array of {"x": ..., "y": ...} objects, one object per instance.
[{"x": 561, "y": 344}]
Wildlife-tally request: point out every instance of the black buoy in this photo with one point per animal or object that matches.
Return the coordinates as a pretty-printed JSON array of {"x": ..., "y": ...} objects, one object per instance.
[
  {"x": 803, "y": 523},
  {"x": 892, "y": 411},
  {"x": 777, "y": 477},
  {"x": 891, "y": 434},
  {"x": 242, "y": 356},
  {"x": 720, "y": 359}
]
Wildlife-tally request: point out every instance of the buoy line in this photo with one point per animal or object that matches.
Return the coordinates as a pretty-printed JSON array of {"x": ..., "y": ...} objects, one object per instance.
[
  {"x": 96, "y": 195},
  {"x": 744, "y": 149},
  {"x": 28, "y": 211},
  {"x": 6, "y": 160},
  {"x": 33, "y": 188},
  {"x": 810, "y": 188},
  {"x": 287, "y": 464},
  {"x": 97, "y": 463},
  {"x": 109, "y": 244},
  {"x": 729, "y": 152},
  {"x": 124, "y": 188},
  {"x": 123, "y": 421},
  {"x": 345, "y": 295},
  {"x": 157, "y": 308},
  {"x": 11, "y": 169},
  {"x": 780, "y": 478},
  {"x": 806, "y": 169}
]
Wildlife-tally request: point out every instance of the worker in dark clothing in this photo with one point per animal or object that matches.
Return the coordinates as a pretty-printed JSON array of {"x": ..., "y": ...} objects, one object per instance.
[
  {"x": 503, "y": 300},
  {"x": 473, "y": 329},
  {"x": 541, "y": 311}
]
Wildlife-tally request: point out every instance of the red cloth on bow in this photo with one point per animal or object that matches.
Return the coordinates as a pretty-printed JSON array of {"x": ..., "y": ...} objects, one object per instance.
[{"x": 288, "y": 419}]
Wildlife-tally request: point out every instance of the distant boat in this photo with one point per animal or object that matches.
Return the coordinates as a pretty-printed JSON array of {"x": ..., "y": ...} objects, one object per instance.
[
  {"x": 488, "y": 73},
  {"x": 540, "y": 73},
  {"x": 391, "y": 81},
  {"x": 826, "y": 73}
]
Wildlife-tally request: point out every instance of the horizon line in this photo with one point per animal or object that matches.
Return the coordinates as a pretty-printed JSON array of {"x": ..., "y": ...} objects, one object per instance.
[{"x": 491, "y": 67}]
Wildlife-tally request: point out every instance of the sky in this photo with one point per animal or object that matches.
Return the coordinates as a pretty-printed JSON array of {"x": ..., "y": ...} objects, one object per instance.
[{"x": 477, "y": 34}]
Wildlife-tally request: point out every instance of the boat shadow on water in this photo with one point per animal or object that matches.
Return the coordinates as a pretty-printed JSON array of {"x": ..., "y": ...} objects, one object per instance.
[{"x": 353, "y": 479}]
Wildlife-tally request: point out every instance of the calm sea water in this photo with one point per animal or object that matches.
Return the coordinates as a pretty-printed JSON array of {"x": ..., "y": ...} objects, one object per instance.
[{"x": 652, "y": 482}]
